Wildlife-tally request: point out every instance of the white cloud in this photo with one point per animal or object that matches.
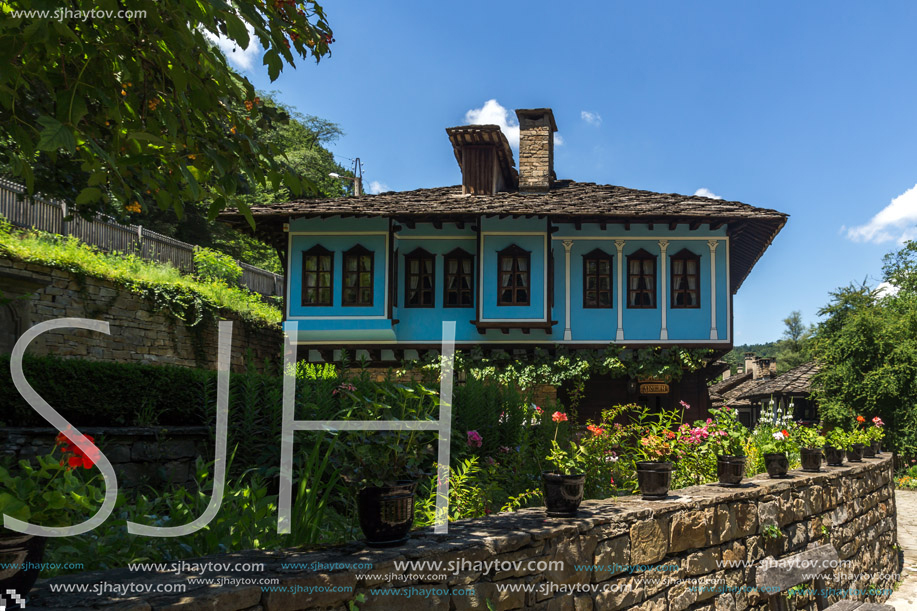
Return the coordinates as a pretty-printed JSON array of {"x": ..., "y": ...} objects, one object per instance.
[
  {"x": 886, "y": 289},
  {"x": 592, "y": 118},
  {"x": 896, "y": 221},
  {"x": 492, "y": 113},
  {"x": 376, "y": 187},
  {"x": 705, "y": 192},
  {"x": 241, "y": 59}
]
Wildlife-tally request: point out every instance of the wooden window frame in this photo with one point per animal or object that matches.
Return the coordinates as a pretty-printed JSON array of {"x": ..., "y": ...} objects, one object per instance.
[
  {"x": 318, "y": 251},
  {"x": 684, "y": 255},
  {"x": 598, "y": 255},
  {"x": 421, "y": 255},
  {"x": 642, "y": 255},
  {"x": 515, "y": 252},
  {"x": 460, "y": 255},
  {"x": 358, "y": 251}
]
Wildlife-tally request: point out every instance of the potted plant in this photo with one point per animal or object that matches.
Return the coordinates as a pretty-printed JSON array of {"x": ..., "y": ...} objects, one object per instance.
[
  {"x": 658, "y": 451},
  {"x": 563, "y": 486},
  {"x": 52, "y": 494},
  {"x": 837, "y": 442},
  {"x": 858, "y": 441},
  {"x": 810, "y": 447},
  {"x": 876, "y": 434},
  {"x": 727, "y": 438},
  {"x": 385, "y": 466},
  {"x": 775, "y": 447}
]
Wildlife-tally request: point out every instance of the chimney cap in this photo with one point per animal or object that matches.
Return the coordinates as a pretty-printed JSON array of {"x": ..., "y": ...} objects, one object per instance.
[{"x": 537, "y": 113}]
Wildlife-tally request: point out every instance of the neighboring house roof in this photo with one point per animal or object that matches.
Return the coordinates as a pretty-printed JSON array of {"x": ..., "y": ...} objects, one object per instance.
[
  {"x": 796, "y": 382},
  {"x": 729, "y": 391},
  {"x": 751, "y": 229}
]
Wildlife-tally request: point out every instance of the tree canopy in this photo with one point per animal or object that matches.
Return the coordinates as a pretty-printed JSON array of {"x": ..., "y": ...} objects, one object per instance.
[{"x": 140, "y": 109}]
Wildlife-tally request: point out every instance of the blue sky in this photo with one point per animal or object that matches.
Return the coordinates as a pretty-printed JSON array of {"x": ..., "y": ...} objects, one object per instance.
[{"x": 808, "y": 108}]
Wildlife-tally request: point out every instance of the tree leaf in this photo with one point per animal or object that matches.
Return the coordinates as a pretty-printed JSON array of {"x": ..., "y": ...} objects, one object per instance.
[{"x": 55, "y": 135}]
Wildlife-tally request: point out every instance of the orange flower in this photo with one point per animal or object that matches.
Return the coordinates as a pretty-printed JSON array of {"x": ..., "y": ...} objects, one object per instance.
[
  {"x": 861, "y": 419},
  {"x": 559, "y": 417},
  {"x": 81, "y": 458},
  {"x": 133, "y": 207},
  {"x": 786, "y": 433}
]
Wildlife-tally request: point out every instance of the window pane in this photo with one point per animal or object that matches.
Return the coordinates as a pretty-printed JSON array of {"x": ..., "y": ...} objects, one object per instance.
[
  {"x": 692, "y": 266},
  {"x": 507, "y": 296},
  {"x": 506, "y": 263},
  {"x": 590, "y": 266},
  {"x": 604, "y": 283},
  {"x": 522, "y": 264},
  {"x": 522, "y": 296},
  {"x": 311, "y": 263},
  {"x": 604, "y": 267},
  {"x": 605, "y": 299}
]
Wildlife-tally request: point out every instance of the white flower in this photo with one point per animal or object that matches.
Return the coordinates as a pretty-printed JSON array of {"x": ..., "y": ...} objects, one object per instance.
[{"x": 779, "y": 436}]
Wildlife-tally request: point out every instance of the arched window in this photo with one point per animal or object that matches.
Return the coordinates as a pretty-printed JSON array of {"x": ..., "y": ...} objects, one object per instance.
[
  {"x": 685, "y": 279},
  {"x": 597, "y": 279},
  {"x": 458, "y": 279},
  {"x": 419, "y": 279},
  {"x": 514, "y": 277},
  {"x": 317, "y": 276},
  {"x": 358, "y": 277},
  {"x": 641, "y": 280}
]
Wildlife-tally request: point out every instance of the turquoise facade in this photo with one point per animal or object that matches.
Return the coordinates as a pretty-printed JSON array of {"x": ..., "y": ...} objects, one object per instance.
[{"x": 555, "y": 254}]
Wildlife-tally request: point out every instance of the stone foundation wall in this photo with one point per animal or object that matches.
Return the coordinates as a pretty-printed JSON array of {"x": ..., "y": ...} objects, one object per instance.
[
  {"x": 620, "y": 553},
  {"x": 158, "y": 457},
  {"x": 140, "y": 331}
]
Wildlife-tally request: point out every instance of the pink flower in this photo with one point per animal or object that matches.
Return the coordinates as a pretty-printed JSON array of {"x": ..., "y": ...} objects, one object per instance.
[
  {"x": 504, "y": 450},
  {"x": 878, "y": 421},
  {"x": 684, "y": 404},
  {"x": 538, "y": 410},
  {"x": 474, "y": 439},
  {"x": 595, "y": 430},
  {"x": 559, "y": 417},
  {"x": 709, "y": 420}
]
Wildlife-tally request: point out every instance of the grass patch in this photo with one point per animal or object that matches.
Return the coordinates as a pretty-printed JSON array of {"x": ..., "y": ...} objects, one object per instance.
[{"x": 187, "y": 296}]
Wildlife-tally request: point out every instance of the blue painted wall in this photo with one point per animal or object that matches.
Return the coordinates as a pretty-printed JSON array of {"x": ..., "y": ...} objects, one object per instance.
[{"x": 422, "y": 325}]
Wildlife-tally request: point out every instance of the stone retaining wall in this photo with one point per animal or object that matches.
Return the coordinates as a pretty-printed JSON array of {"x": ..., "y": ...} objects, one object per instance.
[
  {"x": 676, "y": 541},
  {"x": 141, "y": 456},
  {"x": 141, "y": 332}
]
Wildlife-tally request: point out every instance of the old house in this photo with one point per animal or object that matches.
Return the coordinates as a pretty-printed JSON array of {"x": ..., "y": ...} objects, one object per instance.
[{"x": 519, "y": 259}]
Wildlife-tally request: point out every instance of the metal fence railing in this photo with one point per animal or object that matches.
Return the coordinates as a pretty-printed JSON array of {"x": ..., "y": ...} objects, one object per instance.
[{"x": 51, "y": 216}]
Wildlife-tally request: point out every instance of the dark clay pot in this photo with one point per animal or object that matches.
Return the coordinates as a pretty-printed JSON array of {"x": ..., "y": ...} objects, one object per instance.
[
  {"x": 730, "y": 470},
  {"x": 562, "y": 494},
  {"x": 811, "y": 459},
  {"x": 18, "y": 549},
  {"x": 834, "y": 457},
  {"x": 654, "y": 479},
  {"x": 776, "y": 464},
  {"x": 868, "y": 452},
  {"x": 386, "y": 514},
  {"x": 877, "y": 448},
  {"x": 855, "y": 454}
]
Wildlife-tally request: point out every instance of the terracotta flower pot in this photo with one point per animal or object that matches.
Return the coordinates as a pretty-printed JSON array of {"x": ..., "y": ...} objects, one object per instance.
[
  {"x": 855, "y": 454},
  {"x": 776, "y": 464},
  {"x": 562, "y": 494},
  {"x": 811, "y": 459},
  {"x": 730, "y": 470},
  {"x": 654, "y": 479},
  {"x": 386, "y": 514},
  {"x": 17, "y": 549},
  {"x": 834, "y": 457}
]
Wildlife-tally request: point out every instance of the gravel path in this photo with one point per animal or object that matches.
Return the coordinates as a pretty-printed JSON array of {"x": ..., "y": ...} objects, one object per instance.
[{"x": 906, "y": 595}]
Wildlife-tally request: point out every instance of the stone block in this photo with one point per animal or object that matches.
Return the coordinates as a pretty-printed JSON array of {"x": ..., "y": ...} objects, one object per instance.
[
  {"x": 648, "y": 542},
  {"x": 614, "y": 554},
  {"x": 690, "y": 530}
]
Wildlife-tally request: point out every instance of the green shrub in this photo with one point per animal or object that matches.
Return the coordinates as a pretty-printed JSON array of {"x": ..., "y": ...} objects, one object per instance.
[{"x": 213, "y": 265}]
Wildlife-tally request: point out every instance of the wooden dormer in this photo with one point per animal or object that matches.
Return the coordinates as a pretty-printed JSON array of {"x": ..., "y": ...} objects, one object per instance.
[{"x": 485, "y": 158}]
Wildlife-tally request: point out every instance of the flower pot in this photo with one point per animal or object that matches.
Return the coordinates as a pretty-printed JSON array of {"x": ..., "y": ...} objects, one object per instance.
[
  {"x": 730, "y": 470},
  {"x": 811, "y": 459},
  {"x": 16, "y": 550},
  {"x": 855, "y": 453},
  {"x": 877, "y": 447},
  {"x": 776, "y": 464},
  {"x": 562, "y": 494},
  {"x": 654, "y": 478},
  {"x": 834, "y": 457},
  {"x": 868, "y": 452},
  {"x": 386, "y": 514}
]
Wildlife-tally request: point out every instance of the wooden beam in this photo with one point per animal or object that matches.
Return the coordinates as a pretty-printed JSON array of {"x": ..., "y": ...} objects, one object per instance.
[
  {"x": 460, "y": 224},
  {"x": 577, "y": 225},
  {"x": 695, "y": 225},
  {"x": 603, "y": 226},
  {"x": 410, "y": 224},
  {"x": 649, "y": 226},
  {"x": 626, "y": 225},
  {"x": 716, "y": 225},
  {"x": 673, "y": 226},
  {"x": 437, "y": 224}
]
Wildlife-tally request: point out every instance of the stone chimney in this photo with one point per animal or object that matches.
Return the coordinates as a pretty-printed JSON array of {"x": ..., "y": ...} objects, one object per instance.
[
  {"x": 536, "y": 148},
  {"x": 765, "y": 367},
  {"x": 750, "y": 363},
  {"x": 727, "y": 374}
]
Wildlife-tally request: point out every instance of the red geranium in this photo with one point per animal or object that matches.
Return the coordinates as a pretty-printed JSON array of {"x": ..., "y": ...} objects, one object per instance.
[{"x": 70, "y": 443}]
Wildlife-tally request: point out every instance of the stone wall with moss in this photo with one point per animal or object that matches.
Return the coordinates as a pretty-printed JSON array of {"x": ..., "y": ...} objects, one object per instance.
[
  {"x": 142, "y": 331},
  {"x": 696, "y": 550}
]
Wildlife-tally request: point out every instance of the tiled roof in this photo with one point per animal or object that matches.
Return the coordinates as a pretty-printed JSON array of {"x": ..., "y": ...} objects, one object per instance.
[
  {"x": 729, "y": 391},
  {"x": 751, "y": 229},
  {"x": 796, "y": 382}
]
